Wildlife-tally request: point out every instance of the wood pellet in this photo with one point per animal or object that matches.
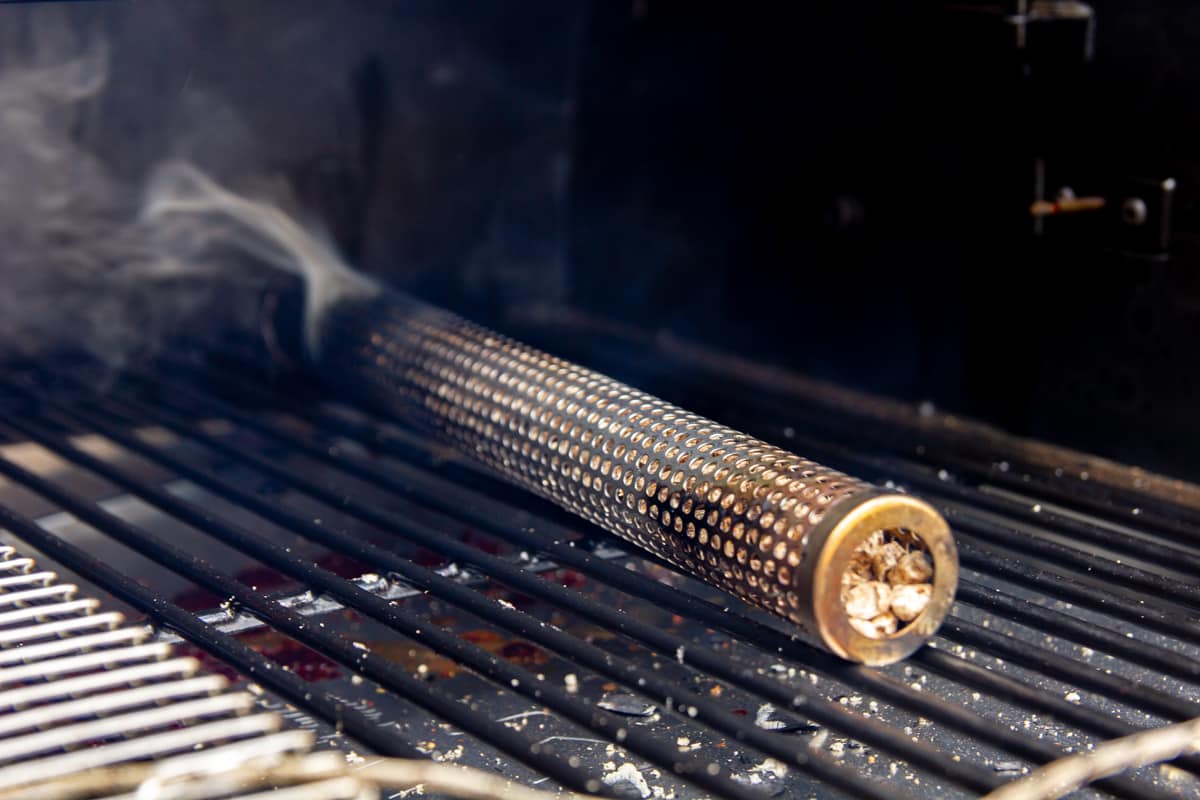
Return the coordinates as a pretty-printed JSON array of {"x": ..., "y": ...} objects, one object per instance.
[{"x": 887, "y": 584}]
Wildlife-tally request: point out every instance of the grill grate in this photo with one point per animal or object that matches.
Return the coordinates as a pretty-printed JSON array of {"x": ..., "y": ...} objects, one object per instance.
[
  {"x": 83, "y": 691},
  {"x": 498, "y": 628}
]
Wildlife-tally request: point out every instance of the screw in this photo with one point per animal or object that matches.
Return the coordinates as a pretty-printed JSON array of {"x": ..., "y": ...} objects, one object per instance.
[{"x": 1133, "y": 211}]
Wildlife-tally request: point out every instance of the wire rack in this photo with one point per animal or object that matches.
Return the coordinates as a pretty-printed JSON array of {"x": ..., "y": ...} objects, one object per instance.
[{"x": 399, "y": 601}]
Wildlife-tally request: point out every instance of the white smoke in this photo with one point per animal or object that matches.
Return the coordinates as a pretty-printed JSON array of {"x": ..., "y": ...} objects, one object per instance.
[
  {"x": 91, "y": 263},
  {"x": 195, "y": 206}
]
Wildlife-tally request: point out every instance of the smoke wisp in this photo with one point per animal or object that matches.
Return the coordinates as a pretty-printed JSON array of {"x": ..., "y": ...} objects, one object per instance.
[{"x": 91, "y": 263}]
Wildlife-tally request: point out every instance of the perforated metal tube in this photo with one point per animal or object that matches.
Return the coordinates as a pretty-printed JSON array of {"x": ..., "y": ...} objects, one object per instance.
[{"x": 773, "y": 528}]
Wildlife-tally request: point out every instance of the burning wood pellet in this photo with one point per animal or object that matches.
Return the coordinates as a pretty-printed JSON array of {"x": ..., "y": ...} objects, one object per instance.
[
  {"x": 913, "y": 568},
  {"x": 868, "y": 600},
  {"x": 876, "y": 627},
  {"x": 887, "y": 583},
  {"x": 909, "y": 600},
  {"x": 886, "y": 556}
]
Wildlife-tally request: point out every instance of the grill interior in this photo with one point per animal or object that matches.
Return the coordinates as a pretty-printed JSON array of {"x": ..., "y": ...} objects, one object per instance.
[{"x": 393, "y": 599}]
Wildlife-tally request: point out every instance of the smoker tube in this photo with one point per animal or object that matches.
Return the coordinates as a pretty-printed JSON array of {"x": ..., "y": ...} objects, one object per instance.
[{"x": 775, "y": 529}]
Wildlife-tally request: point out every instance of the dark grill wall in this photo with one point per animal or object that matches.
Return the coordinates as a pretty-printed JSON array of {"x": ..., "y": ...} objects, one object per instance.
[{"x": 864, "y": 168}]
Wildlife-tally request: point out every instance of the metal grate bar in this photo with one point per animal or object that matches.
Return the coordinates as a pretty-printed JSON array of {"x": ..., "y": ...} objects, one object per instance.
[
  {"x": 1145, "y": 653},
  {"x": 1175, "y": 550},
  {"x": 868, "y": 680},
  {"x": 603, "y": 662},
  {"x": 1052, "y": 581},
  {"x": 22, "y": 721},
  {"x": 410, "y": 625},
  {"x": 1188, "y": 669},
  {"x": 421, "y": 479},
  {"x": 340, "y": 648},
  {"x": 1160, "y": 703},
  {"x": 952, "y": 714},
  {"x": 1168, "y": 521}
]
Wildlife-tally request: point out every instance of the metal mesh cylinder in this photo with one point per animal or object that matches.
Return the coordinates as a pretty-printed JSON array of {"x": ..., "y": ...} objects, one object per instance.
[{"x": 764, "y": 524}]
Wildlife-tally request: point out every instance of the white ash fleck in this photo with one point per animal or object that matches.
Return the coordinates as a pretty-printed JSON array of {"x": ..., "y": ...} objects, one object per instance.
[
  {"x": 1072, "y": 697},
  {"x": 627, "y": 704},
  {"x": 769, "y": 771},
  {"x": 571, "y": 681},
  {"x": 453, "y": 755},
  {"x": 628, "y": 773},
  {"x": 770, "y": 768},
  {"x": 762, "y": 718},
  {"x": 765, "y": 718}
]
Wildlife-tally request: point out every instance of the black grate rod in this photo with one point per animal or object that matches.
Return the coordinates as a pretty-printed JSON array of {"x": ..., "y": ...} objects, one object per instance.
[
  {"x": 1097, "y": 722},
  {"x": 1040, "y": 660},
  {"x": 1051, "y": 580},
  {"x": 1049, "y": 620}
]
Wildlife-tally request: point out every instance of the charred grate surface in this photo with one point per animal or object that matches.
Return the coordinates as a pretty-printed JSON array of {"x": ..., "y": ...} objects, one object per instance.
[{"x": 423, "y": 607}]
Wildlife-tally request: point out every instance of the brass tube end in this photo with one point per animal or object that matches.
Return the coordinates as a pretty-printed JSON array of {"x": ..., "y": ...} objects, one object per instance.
[{"x": 838, "y": 545}]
